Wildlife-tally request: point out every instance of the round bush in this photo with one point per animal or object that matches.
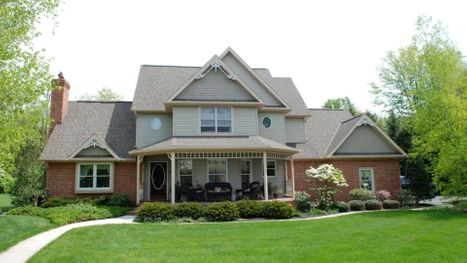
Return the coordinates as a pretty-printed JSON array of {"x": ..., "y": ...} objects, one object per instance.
[
  {"x": 222, "y": 211},
  {"x": 343, "y": 207},
  {"x": 356, "y": 205},
  {"x": 155, "y": 212},
  {"x": 391, "y": 204},
  {"x": 362, "y": 194},
  {"x": 120, "y": 200},
  {"x": 373, "y": 205},
  {"x": 192, "y": 210},
  {"x": 249, "y": 208},
  {"x": 276, "y": 210},
  {"x": 302, "y": 201}
]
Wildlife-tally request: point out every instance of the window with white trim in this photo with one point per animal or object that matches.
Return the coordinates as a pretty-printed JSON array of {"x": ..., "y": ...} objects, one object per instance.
[
  {"x": 271, "y": 168},
  {"x": 366, "y": 177},
  {"x": 245, "y": 172},
  {"x": 95, "y": 176},
  {"x": 185, "y": 173},
  {"x": 217, "y": 170},
  {"x": 216, "y": 120}
]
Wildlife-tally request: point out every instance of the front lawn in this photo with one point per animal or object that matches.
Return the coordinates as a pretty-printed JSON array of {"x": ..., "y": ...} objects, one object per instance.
[
  {"x": 16, "y": 228},
  {"x": 5, "y": 202},
  {"x": 388, "y": 236}
]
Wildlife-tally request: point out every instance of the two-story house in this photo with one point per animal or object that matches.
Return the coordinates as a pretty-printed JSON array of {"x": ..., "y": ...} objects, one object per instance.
[{"x": 222, "y": 122}]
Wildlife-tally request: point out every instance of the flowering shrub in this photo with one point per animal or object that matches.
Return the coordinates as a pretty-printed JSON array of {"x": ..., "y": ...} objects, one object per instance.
[
  {"x": 327, "y": 179},
  {"x": 383, "y": 195}
]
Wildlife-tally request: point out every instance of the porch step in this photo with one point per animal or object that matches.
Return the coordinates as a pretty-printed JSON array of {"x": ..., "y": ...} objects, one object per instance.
[{"x": 131, "y": 212}]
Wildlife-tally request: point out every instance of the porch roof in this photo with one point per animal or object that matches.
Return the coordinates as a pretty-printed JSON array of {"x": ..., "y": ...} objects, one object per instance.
[{"x": 215, "y": 143}]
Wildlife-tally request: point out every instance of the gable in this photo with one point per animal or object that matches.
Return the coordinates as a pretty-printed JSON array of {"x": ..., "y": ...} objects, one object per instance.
[
  {"x": 215, "y": 86},
  {"x": 93, "y": 152},
  {"x": 94, "y": 147},
  {"x": 365, "y": 139},
  {"x": 251, "y": 81}
]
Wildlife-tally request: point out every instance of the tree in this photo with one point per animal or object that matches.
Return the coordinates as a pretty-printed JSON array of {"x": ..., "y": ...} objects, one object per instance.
[
  {"x": 326, "y": 180},
  {"x": 341, "y": 103},
  {"x": 419, "y": 179},
  {"x": 105, "y": 94},
  {"x": 425, "y": 83}
]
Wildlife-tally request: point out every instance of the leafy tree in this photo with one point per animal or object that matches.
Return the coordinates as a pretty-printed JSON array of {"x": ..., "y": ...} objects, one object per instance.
[
  {"x": 326, "y": 180},
  {"x": 425, "y": 83},
  {"x": 105, "y": 94},
  {"x": 341, "y": 103}
]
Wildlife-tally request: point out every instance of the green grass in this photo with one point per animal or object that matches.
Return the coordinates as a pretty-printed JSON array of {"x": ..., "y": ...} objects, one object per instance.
[
  {"x": 16, "y": 228},
  {"x": 390, "y": 236},
  {"x": 5, "y": 202}
]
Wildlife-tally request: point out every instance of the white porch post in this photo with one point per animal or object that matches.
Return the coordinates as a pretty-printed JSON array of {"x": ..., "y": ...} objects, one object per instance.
[
  {"x": 293, "y": 176},
  {"x": 265, "y": 176},
  {"x": 139, "y": 160},
  {"x": 172, "y": 178}
]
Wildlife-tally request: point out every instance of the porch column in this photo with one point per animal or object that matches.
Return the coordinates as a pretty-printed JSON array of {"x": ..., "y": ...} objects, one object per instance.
[
  {"x": 172, "y": 178},
  {"x": 293, "y": 176},
  {"x": 265, "y": 176},
  {"x": 139, "y": 160}
]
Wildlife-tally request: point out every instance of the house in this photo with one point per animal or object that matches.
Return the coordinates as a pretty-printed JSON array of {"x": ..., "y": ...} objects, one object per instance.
[{"x": 222, "y": 122}]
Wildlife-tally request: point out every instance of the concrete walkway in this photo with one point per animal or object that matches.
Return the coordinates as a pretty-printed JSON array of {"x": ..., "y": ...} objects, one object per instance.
[{"x": 25, "y": 249}]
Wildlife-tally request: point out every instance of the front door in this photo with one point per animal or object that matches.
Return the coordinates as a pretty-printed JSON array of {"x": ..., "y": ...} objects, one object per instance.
[{"x": 158, "y": 180}]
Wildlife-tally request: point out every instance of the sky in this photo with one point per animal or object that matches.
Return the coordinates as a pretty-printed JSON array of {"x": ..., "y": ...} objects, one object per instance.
[{"x": 329, "y": 48}]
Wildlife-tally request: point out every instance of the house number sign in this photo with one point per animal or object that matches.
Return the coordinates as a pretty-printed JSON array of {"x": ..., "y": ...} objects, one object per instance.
[{"x": 267, "y": 122}]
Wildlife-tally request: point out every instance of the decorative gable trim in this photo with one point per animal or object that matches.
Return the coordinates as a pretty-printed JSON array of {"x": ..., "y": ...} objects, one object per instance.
[
  {"x": 95, "y": 141},
  {"x": 365, "y": 120},
  {"x": 216, "y": 64},
  {"x": 243, "y": 63}
]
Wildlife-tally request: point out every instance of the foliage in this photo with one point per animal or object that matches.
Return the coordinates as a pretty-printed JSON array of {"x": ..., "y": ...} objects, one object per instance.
[
  {"x": 362, "y": 194},
  {"x": 302, "y": 201},
  {"x": 155, "y": 212},
  {"x": 317, "y": 211},
  {"x": 373, "y": 205},
  {"x": 5, "y": 202},
  {"x": 419, "y": 179},
  {"x": 277, "y": 210},
  {"x": 425, "y": 83},
  {"x": 391, "y": 204},
  {"x": 191, "y": 210},
  {"x": 6, "y": 182},
  {"x": 343, "y": 207},
  {"x": 341, "y": 103},
  {"x": 57, "y": 201},
  {"x": 222, "y": 211},
  {"x": 356, "y": 205},
  {"x": 406, "y": 198},
  {"x": 250, "y": 208},
  {"x": 104, "y": 94},
  {"x": 119, "y": 200},
  {"x": 326, "y": 180},
  {"x": 382, "y": 195}
]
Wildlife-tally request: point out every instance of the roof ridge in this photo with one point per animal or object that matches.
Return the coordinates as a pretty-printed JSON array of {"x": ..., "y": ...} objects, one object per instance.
[
  {"x": 169, "y": 66},
  {"x": 100, "y": 101},
  {"x": 326, "y": 109},
  {"x": 358, "y": 116}
]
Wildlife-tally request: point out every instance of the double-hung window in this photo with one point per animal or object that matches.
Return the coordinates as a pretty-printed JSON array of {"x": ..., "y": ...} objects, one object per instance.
[
  {"x": 245, "y": 171},
  {"x": 94, "y": 176},
  {"x": 216, "y": 120},
  {"x": 217, "y": 170},
  {"x": 271, "y": 168},
  {"x": 366, "y": 177},
  {"x": 185, "y": 172}
]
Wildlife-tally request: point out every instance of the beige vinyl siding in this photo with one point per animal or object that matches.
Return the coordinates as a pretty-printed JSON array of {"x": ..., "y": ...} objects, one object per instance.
[
  {"x": 365, "y": 139},
  {"x": 294, "y": 130},
  {"x": 251, "y": 82},
  {"x": 278, "y": 180},
  {"x": 276, "y": 131},
  {"x": 245, "y": 121},
  {"x": 215, "y": 86},
  {"x": 185, "y": 121},
  {"x": 200, "y": 171},
  {"x": 145, "y": 135}
]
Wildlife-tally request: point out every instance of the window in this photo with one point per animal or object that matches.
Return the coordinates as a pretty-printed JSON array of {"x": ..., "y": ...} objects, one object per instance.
[
  {"x": 185, "y": 173},
  {"x": 271, "y": 170},
  {"x": 216, "y": 120},
  {"x": 366, "y": 178},
  {"x": 245, "y": 172},
  {"x": 94, "y": 176},
  {"x": 217, "y": 170}
]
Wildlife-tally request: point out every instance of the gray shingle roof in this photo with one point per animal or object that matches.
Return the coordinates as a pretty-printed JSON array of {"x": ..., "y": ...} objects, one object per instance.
[
  {"x": 344, "y": 128},
  {"x": 156, "y": 84},
  {"x": 112, "y": 121},
  {"x": 244, "y": 143}
]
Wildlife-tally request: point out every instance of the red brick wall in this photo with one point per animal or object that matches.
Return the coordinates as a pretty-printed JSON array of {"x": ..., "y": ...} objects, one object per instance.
[
  {"x": 386, "y": 174},
  {"x": 61, "y": 179}
]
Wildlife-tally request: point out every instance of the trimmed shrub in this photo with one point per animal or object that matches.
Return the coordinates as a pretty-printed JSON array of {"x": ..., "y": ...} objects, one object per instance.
[
  {"x": 26, "y": 211},
  {"x": 302, "y": 201},
  {"x": 343, "y": 207},
  {"x": 373, "y": 205},
  {"x": 391, "y": 204},
  {"x": 406, "y": 198},
  {"x": 277, "y": 210},
  {"x": 222, "y": 211},
  {"x": 119, "y": 200},
  {"x": 362, "y": 194},
  {"x": 356, "y": 205},
  {"x": 101, "y": 200},
  {"x": 250, "y": 208},
  {"x": 57, "y": 201},
  {"x": 383, "y": 195},
  {"x": 155, "y": 212},
  {"x": 191, "y": 210}
]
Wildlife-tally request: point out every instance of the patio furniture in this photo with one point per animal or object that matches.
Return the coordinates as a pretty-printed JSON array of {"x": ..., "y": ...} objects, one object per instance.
[
  {"x": 197, "y": 194},
  {"x": 252, "y": 191},
  {"x": 218, "y": 192}
]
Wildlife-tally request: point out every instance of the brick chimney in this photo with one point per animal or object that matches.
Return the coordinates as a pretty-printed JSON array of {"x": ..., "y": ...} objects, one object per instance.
[{"x": 58, "y": 101}]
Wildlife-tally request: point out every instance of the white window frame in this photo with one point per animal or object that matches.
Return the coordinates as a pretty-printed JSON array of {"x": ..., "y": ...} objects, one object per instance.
[
  {"x": 181, "y": 175},
  {"x": 251, "y": 169},
  {"x": 226, "y": 169},
  {"x": 216, "y": 125},
  {"x": 94, "y": 189},
  {"x": 372, "y": 177},
  {"x": 275, "y": 167}
]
